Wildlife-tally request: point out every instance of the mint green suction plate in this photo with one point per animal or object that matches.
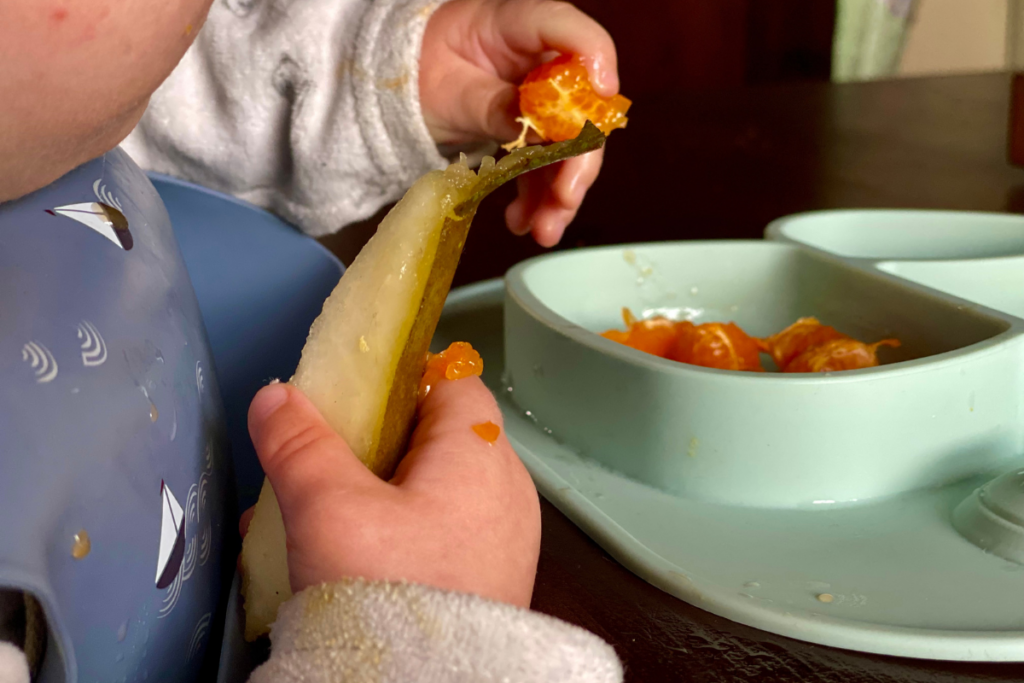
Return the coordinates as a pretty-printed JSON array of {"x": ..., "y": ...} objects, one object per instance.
[{"x": 819, "y": 507}]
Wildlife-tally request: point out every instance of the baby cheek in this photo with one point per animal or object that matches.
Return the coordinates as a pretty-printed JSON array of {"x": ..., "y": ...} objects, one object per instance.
[{"x": 74, "y": 26}]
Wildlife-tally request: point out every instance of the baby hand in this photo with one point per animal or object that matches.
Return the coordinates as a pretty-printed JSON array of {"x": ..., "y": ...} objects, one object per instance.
[
  {"x": 475, "y": 52},
  {"x": 460, "y": 513}
]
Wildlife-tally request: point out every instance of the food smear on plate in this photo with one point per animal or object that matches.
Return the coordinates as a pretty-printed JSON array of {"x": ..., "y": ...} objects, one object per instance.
[
  {"x": 459, "y": 360},
  {"x": 805, "y": 346},
  {"x": 557, "y": 98},
  {"x": 488, "y": 431}
]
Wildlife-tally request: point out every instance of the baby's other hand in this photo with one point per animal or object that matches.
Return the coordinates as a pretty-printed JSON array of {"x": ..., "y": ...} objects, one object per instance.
[
  {"x": 460, "y": 513},
  {"x": 475, "y": 52}
]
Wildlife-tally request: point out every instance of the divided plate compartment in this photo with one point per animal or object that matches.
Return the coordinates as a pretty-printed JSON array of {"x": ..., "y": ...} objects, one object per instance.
[
  {"x": 978, "y": 257},
  {"x": 817, "y": 506},
  {"x": 948, "y": 410}
]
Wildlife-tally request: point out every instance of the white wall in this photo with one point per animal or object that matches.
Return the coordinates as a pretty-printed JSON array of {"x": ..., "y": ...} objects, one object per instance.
[{"x": 956, "y": 36}]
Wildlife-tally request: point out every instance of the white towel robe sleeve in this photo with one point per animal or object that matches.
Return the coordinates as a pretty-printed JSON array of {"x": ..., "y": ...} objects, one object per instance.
[
  {"x": 308, "y": 108},
  {"x": 363, "y": 632}
]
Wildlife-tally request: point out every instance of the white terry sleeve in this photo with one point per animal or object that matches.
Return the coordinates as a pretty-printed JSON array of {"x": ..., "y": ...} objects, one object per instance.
[
  {"x": 357, "y": 631},
  {"x": 308, "y": 108}
]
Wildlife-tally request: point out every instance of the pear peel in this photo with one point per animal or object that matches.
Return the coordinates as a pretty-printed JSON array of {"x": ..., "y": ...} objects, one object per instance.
[{"x": 364, "y": 356}]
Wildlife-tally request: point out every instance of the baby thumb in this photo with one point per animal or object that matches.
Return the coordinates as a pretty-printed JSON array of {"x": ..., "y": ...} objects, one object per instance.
[
  {"x": 13, "y": 664},
  {"x": 300, "y": 453}
]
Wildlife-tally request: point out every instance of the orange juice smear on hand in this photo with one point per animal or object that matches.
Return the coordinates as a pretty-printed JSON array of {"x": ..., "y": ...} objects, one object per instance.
[
  {"x": 488, "y": 431},
  {"x": 459, "y": 360}
]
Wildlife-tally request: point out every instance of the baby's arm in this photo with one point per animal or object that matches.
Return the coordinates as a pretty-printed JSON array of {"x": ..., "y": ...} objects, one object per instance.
[
  {"x": 325, "y": 110},
  {"x": 460, "y": 522},
  {"x": 307, "y": 107},
  {"x": 75, "y": 78}
]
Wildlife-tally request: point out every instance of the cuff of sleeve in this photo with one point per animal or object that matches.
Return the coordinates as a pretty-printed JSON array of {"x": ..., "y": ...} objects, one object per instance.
[
  {"x": 357, "y": 630},
  {"x": 386, "y": 83}
]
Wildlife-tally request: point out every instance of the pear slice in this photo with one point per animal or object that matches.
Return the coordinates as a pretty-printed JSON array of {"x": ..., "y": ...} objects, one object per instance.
[{"x": 364, "y": 357}]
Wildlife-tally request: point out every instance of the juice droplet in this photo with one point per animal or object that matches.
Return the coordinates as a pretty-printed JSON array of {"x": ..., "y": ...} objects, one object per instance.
[
  {"x": 825, "y": 597},
  {"x": 488, "y": 431},
  {"x": 154, "y": 414},
  {"x": 81, "y": 545},
  {"x": 458, "y": 361}
]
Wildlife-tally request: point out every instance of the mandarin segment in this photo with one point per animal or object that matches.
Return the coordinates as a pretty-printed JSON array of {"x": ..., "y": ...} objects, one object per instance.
[
  {"x": 802, "y": 335},
  {"x": 557, "y": 98},
  {"x": 654, "y": 335},
  {"x": 723, "y": 346},
  {"x": 805, "y": 346},
  {"x": 838, "y": 355},
  {"x": 714, "y": 345},
  {"x": 459, "y": 360}
]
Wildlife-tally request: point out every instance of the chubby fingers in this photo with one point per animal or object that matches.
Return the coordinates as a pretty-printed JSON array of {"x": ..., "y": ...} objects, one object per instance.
[
  {"x": 465, "y": 103},
  {"x": 300, "y": 453},
  {"x": 445, "y": 450},
  {"x": 550, "y": 197},
  {"x": 538, "y": 26}
]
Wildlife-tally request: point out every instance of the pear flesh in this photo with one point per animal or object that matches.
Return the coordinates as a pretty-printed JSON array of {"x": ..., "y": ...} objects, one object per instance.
[{"x": 365, "y": 353}]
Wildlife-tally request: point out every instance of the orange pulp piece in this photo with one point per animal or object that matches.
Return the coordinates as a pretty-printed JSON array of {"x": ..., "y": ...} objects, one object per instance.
[
  {"x": 716, "y": 345},
  {"x": 837, "y": 355},
  {"x": 654, "y": 335},
  {"x": 804, "y": 334},
  {"x": 712, "y": 345},
  {"x": 488, "y": 431},
  {"x": 459, "y": 360},
  {"x": 557, "y": 98},
  {"x": 804, "y": 346}
]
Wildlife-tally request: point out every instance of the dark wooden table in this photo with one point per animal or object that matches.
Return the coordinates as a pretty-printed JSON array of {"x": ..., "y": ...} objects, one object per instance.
[{"x": 722, "y": 164}]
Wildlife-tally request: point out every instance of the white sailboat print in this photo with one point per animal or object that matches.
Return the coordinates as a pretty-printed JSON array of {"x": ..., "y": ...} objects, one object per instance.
[
  {"x": 103, "y": 218},
  {"x": 172, "y": 538}
]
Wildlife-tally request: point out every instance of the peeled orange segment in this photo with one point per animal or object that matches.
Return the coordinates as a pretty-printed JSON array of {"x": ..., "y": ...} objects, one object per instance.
[
  {"x": 712, "y": 345},
  {"x": 459, "y": 360},
  {"x": 716, "y": 345},
  {"x": 804, "y": 346},
  {"x": 802, "y": 335},
  {"x": 838, "y": 355},
  {"x": 365, "y": 354},
  {"x": 654, "y": 335},
  {"x": 556, "y": 99}
]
